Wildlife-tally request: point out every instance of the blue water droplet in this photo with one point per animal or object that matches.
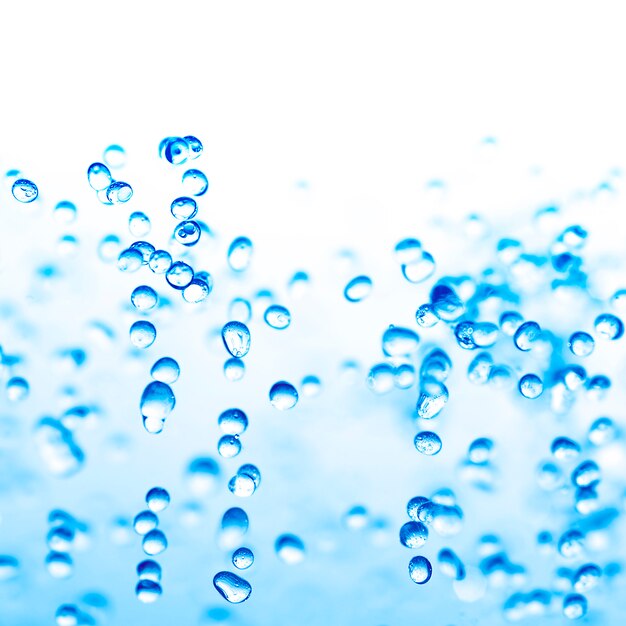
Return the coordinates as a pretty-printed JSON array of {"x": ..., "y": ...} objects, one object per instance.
[
  {"x": 142, "y": 334},
  {"x": 233, "y": 421},
  {"x": 530, "y": 386},
  {"x": 358, "y": 289},
  {"x": 581, "y": 344},
  {"x": 144, "y": 522},
  {"x": 420, "y": 570},
  {"x": 427, "y": 443},
  {"x": 236, "y": 338},
  {"x": 157, "y": 499},
  {"x": 277, "y": 317},
  {"x": 289, "y": 549},
  {"x": 99, "y": 176},
  {"x": 231, "y": 587},
  {"x": 144, "y": 298},
  {"x": 184, "y": 208},
  {"x": 114, "y": 156},
  {"x": 426, "y": 316},
  {"x": 175, "y": 150},
  {"x": 179, "y": 275},
  {"x": 413, "y": 535},
  {"x": 195, "y": 182},
  {"x": 149, "y": 570},
  {"x": 119, "y": 192},
  {"x": 229, "y": 446},
  {"x": 139, "y": 224},
  {"x": 240, "y": 254},
  {"x": 65, "y": 212},
  {"x": 195, "y": 146},
  {"x": 608, "y": 326},
  {"x": 148, "y": 591},
  {"x": 165, "y": 370},
  {"x": 526, "y": 334},
  {"x": 398, "y": 341},
  {"x": 157, "y": 402},
  {"x": 187, "y": 233},
  {"x": 234, "y": 369},
  {"x": 154, "y": 543},
  {"x": 283, "y": 395},
  {"x": 243, "y": 558}
]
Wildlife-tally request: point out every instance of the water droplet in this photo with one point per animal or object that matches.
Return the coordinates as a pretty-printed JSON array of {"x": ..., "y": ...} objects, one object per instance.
[
  {"x": 381, "y": 378},
  {"x": 509, "y": 322},
  {"x": 18, "y": 389},
  {"x": 574, "y": 606},
  {"x": 144, "y": 298},
  {"x": 144, "y": 522},
  {"x": 586, "y": 474},
  {"x": 139, "y": 224},
  {"x": 526, "y": 335},
  {"x": 404, "y": 376},
  {"x": 165, "y": 370},
  {"x": 311, "y": 386},
  {"x": 581, "y": 344},
  {"x": 233, "y": 422},
  {"x": 609, "y": 327},
  {"x": 602, "y": 431},
  {"x": 413, "y": 535},
  {"x": 148, "y": 591},
  {"x": 175, "y": 150},
  {"x": 142, "y": 334},
  {"x": 179, "y": 275},
  {"x": 290, "y": 549},
  {"x": 240, "y": 310},
  {"x": 446, "y": 303},
  {"x": 358, "y": 289},
  {"x": 450, "y": 564},
  {"x": 187, "y": 233},
  {"x": 277, "y": 317},
  {"x": 119, "y": 192},
  {"x": 184, "y": 208},
  {"x": 154, "y": 543},
  {"x": 283, "y": 395},
  {"x": 157, "y": 499},
  {"x": 232, "y": 587},
  {"x": 419, "y": 270},
  {"x": 426, "y": 316},
  {"x": 398, "y": 341},
  {"x": 420, "y": 570},
  {"x": 564, "y": 449},
  {"x": 157, "y": 402},
  {"x": 197, "y": 290},
  {"x": 571, "y": 544},
  {"x": 114, "y": 156},
  {"x": 240, "y": 254},
  {"x": 531, "y": 386},
  {"x": 129, "y": 260},
  {"x": 433, "y": 397},
  {"x": 236, "y": 338},
  {"x": 160, "y": 261},
  {"x": 195, "y": 182},
  {"x": 408, "y": 251},
  {"x": 413, "y": 507},
  {"x": 480, "y": 450},
  {"x": 427, "y": 443},
  {"x": 195, "y": 146},
  {"x": 149, "y": 570},
  {"x": 234, "y": 369},
  {"x": 99, "y": 176},
  {"x": 356, "y": 518},
  {"x": 229, "y": 446},
  {"x": 243, "y": 558},
  {"x": 59, "y": 564},
  {"x": 65, "y": 212}
]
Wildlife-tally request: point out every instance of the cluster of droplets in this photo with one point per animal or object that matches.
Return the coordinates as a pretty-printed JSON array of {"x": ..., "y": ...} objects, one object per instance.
[
  {"x": 158, "y": 400},
  {"x": 154, "y": 542},
  {"x": 65, "y": 534},
  {"x": 108, "y": 190}
]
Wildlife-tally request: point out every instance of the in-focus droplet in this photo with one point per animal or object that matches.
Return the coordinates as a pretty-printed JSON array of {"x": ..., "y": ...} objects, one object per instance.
[
  {"x": 236, "y": 338},
  {"x": 233, "y": 422},
  {"x": 175, "y": 150},
  {"x": 283, "y": 395},
  {"x": 148, "y": 591},
  {"x": 119, "y": 192},
  {"x": 243, "y": 558},
  {"x": 184, "y": 208},
  {"x": 427, "y": 443},
  {"x": 179, "y": 275},
  {"x": 160, "y": 261},
  {"x": 158, "y": 499},
  {"x": 154, "y": 543},
  {"x": 165, "y": 370},
  {"x": 195, "y": 182},
  {"x": 142, "y": 334},
  {"x": 229, "y": 446},
  {"x": 144, "y": 522},
  {"x": 420, "y": 570},
  {"x": 581, "y": 344},
  {"x": 139, "y": 224},
  {"x": 609, "y": 327},
  {"x": 187, "y": 233},
  {"x": 232, "y": 587},
  {"x": 144, "y": 298},
  {"x": 277, "y": 317},
  {"x": 234, "y": 369},
  {"x": 99, "y": 176},
  {"x": 530, "y": 386},
  {"x": 195, "y": 146}
]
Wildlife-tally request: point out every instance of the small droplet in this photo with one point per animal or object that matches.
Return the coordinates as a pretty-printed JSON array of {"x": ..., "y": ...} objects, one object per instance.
[
  {"x": 187, "y": 233},
  {"x": 381, "y": 378},
  {"x": 232, "y": 587},
  {"x": 236, "y": 338},
  {"x": 160, "y": 261},
  {"x": 144, "y": 522},
  {"x": 119, "y": 192},
  {"x": 586, "y": 474},
  {"x": 427, "y": 443},
  {"x": 480, "y": 450},
  {"x": 99, "y": 176},
  {"x": 142, "y": 334},
  {"x": 311, "y": 386},
  {"x": 531, "y": 386},
  {"x": 277, "y": 317},
  {"x": 510, "y": 321},
  {"x": 165, "y": 370},
  {"x": 144, "y": 298},
  {"x": 184, "y": 208},
  {"x": 157, "y": 499},
  {"x": 358, "y": 289},
  {"x": 195, "y": 146},
  {"x": 59, "y": 564},
  {"x": 581, "y": 344},
  {"x": 283, "y": 395},
  {"x": 154, "y": 543},
  {"x": 149, "y": 570},
  {"x": 609, "y": 327},
  {"x": 420, "y": 570},
  {"x": 243, "y": 558},
  {"x": 290, "y": 549},
  {"x": 413, "y": 535},
  {"x": 564, "y": 449},
  {"x": 139, "y": 224},
  {"x": 148, "y": 591},
  {"x": 179, "y": 275},
  {"x": 240, "y": 254},
  {"x": 233, "y": 422},
  {"x": 195, "y": 182},
  {"x": 229, "y": 446}
]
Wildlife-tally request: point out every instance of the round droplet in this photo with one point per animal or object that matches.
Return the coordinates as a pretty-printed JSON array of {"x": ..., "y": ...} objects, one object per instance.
[
  {"x": 179, "y": 275},
  {"x": 356, "y": 518},
  {"x": 242, "y": 485},
  {"x": 65, "y": 212},
  {"x": 564, "y": 449},
  {"x": 157, "y": 499},
  {"x": 358, "y": 289},
  {"x": 195, "y": 146},
  {"x": 240, "y": 310},
  {"x": 165, "y": 370},
  {"x": 145, "y": 249},
  {"x": 480, "y": 450},
  {"x": 408, "y": 251},
  {"x": 450, "y": 564},
  {"x": 510, "y": 321},
  {"x": 119, "y": 192},
  {"x": 283, "y": 395},
  {"x": 290, "y": 549},
  {"x": 99, "y": 176},
  {"x": 609, "y": 327},
  {"x": 142, "y": 334},
  {"x": 154, "y": 543},
  {"x": 18, "y": 389},
  {"x": 59, "y": 564},
  {"x": 24, "y": 190},
  {"x": 413, "y": 535},
  {"x": 243, "y": 558},
  {"x": 277, "y": 317},
  {"x": 232, "y": 587},
  {"x": 236, "y": 338},
  {"x": 586, "y": 474},
  {"x": 144, "y": 522},
  {"x": 139, "y": 224},
  {"x": 240, "y": 254},
  {"x": 427, "y": 443},
  {"x": 195, "y": 182},
  {"x": 184, "y": 208},
  {"x": 196, "y": 291},
  {"x": 129, "y": 260},
  {"x": 160, "y": 261},
  {"x": 581, "y": 344},
  {"x": 144, "y": 298},
  {"x": 571, "y": 544},
  {"x": 148, "y": 591},
  {"x": 574, "y": 606},
  {"x": 233, "y": 422},
  {"x": 525, "y": 335},
  {"x": 531, "y": 386},
  {"x": 229, "y": 446},
  {"x": 426, "y": 316},
  {"x": 419, "y": 270},
  {"x": 398, "y": 341},
  {"x": 175, "y": 150},
  {"x": 381, "y": 378},
  {"x": 420, "y": 570},
  {"x": 234, "y": 369},
  {"x": 413, "y": 506},
  {"x": 432, "y": 399},
  {"x": 602, "y": 431},
  {"x": 187, "y": 233},
  {"x": 115, "y": 156},
  {"x": 149, "y": 570},
  {"x": 311, "y": 386}
]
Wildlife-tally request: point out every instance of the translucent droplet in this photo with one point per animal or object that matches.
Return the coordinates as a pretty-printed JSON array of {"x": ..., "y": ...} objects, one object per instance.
[
  {"x": 160, "y": 261},
  {"x": 240, "y": 254},
  {"x": 574, "y": 606},
  {"x": 195, "y": 146},
  {"x": 115, "y": 156},
  {"x": 145, "y": 249},
  {"x": 229, "y": 446},
  {"x": 581, "y": 344},
  {"x": 564, "y": 449},
  {"x": 99, "y": 176},
  {"x": 510, "y": 321},
  {"x": 142, "y": 334},
  {"x": 413, "y": 535},
  {"x": 437, "y": 365},
  {"x": 404, "y": 376},
  {"x": 144, "y": 298},
  {"x": 277, "y": 317},
  {"x": 165, "y": 370},
  {"x": 525, "y": 335},
  {"x": 59, "y": 564},
  {"x": 381, "y": 378},
  {"x": 586, "y": 474},
  {"x": 60, "y": 539},
  {"x": 427, "y": 443},
  {"x": 157, "y": 499},
  {"x": 433, "y": 397},
  {"x": 184, "y": 208},
  {"x": 144, "y": 522},
  {"x": 450, "y": 564},
  {"x": 358, "y": 289},
  {"x": 232, "y": 587},
  {"x": 65, "y": 212},
  {"x": 119, "y": 192},
  {"x": 24, "y": 190},
  {"x": 129, "y": 260},
  {"x": 149, "y": 570},
  {"x": 240, "y": 310},
  {"x": 71, "y": 615},
  {"x": 196, "y": 291},
  {"x": 283, "y": 395},
  {"x": 446, "y": 303},
  {"x": 480, "y": 450},
  {"x": 179, "y": 275},
  {"x": 419, "y": 270},
  {"x": 236, "y": 338},
  {"x": 290, "y": 549},
  {"x": 243, "y": 558},
  {"x": 571, "y": 544},
  {"x": 195, "y": 182},
  {"x": 18, "y": 389},
  {"x": 608, "y": 326},
  {"x": 408, "y": 251},
  {"x": 154, "y": 543},
  {"x": 233, "y": 422},
  {"x": 398, "y": 341},
  {"x": 157, "y": 402},
  {"x": 187, "y": 233},
  {"x": 426, "y": 316},
  {"x": 530, "y": 386},
  {"x": 413, "y": 507},
  {"x": 420, "y": 570},
  {"x": 148, "y": 591},
  {"x": 139, "y": 224},
  {"x": 175, "y": 150},
  {"x": 602, "y": 431},
  {"x": 298, "y": 284},
  {"x": 234, "y": 369}
]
